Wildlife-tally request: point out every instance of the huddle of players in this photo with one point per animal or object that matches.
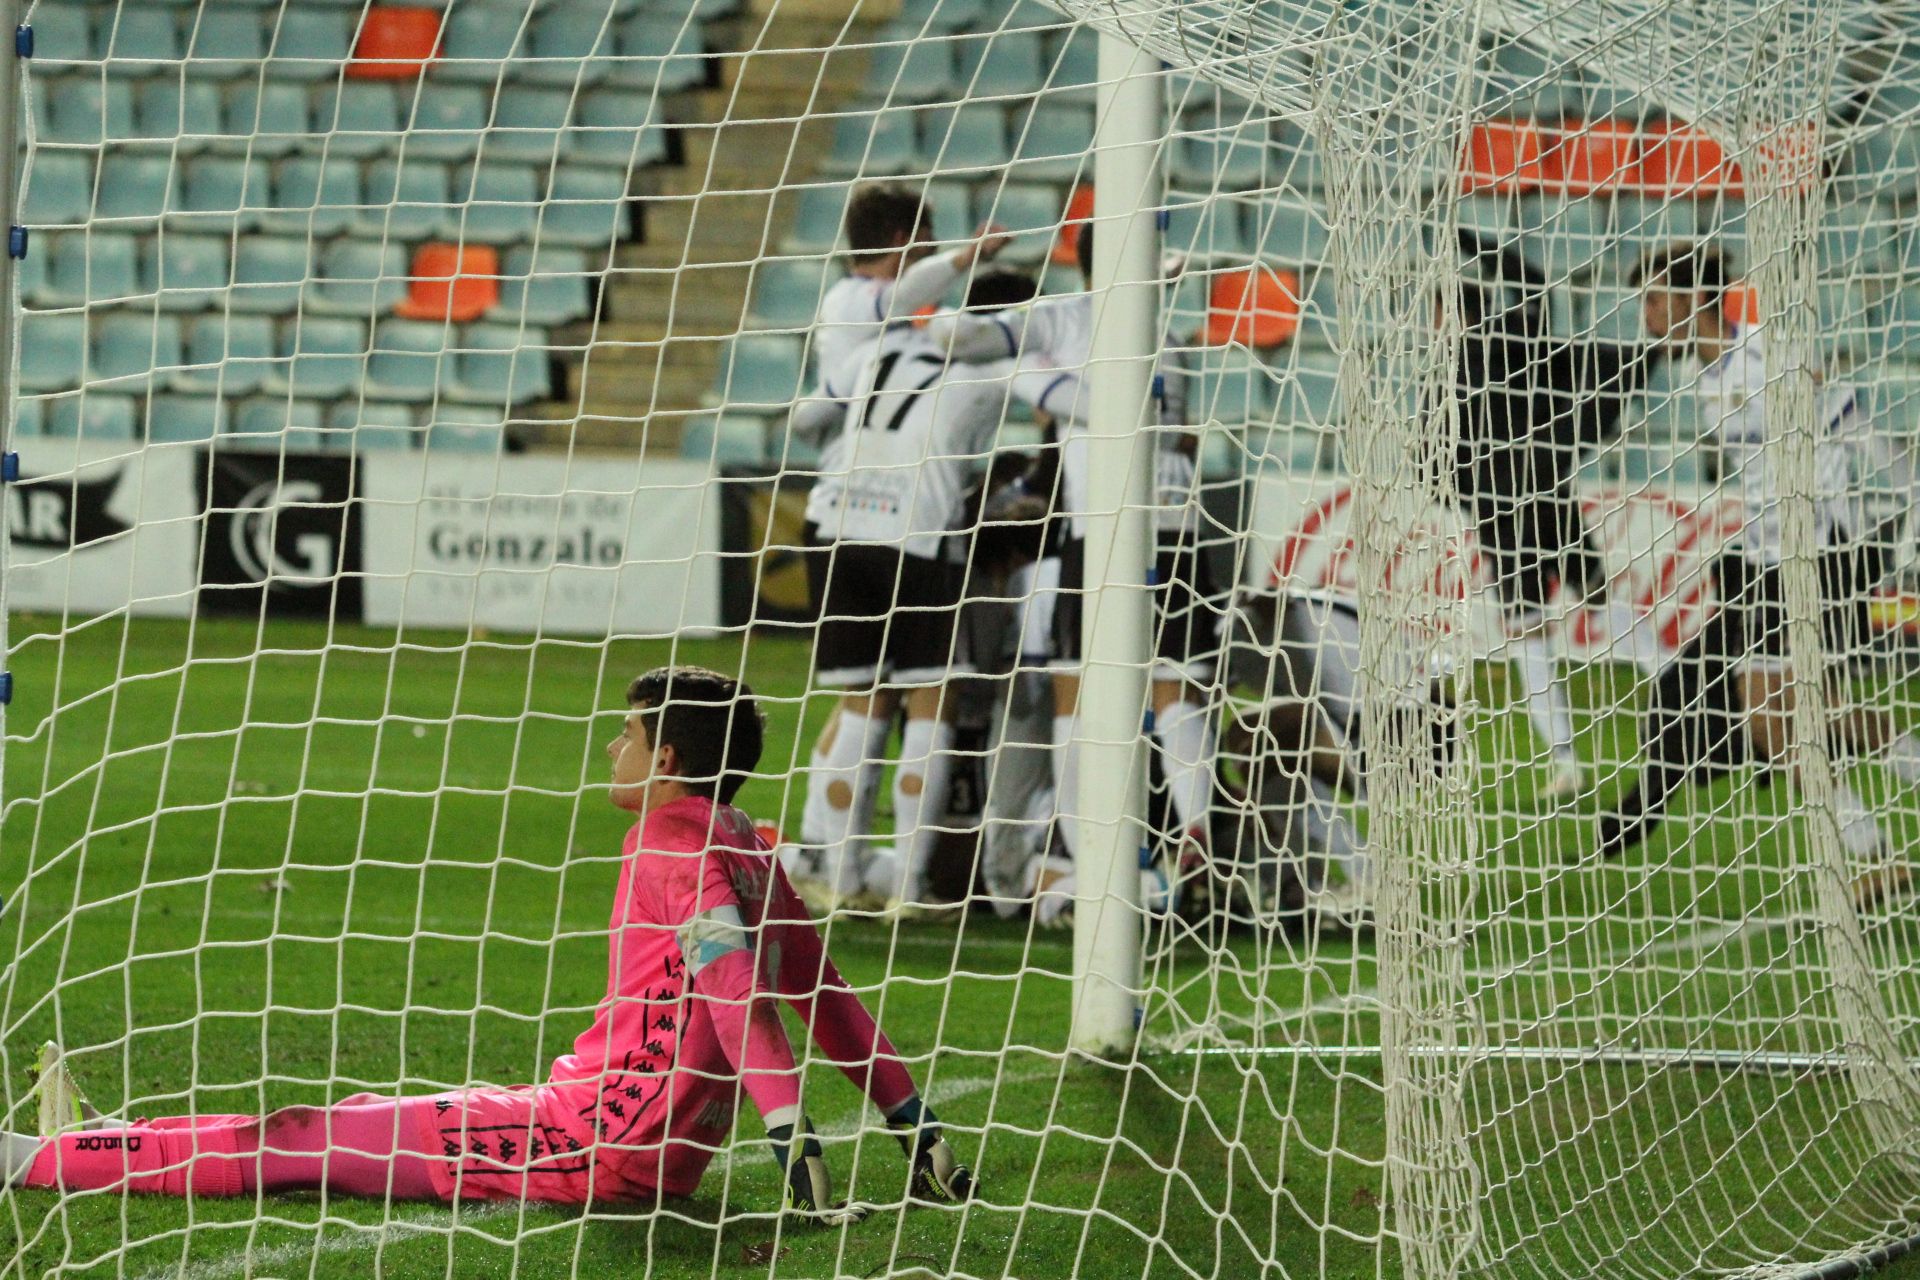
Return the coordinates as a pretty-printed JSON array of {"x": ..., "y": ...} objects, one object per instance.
[{"x": 910, "y": 411}]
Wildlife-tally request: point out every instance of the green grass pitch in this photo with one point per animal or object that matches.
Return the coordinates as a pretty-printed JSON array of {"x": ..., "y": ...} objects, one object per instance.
[{"x": 250, "y": 867}]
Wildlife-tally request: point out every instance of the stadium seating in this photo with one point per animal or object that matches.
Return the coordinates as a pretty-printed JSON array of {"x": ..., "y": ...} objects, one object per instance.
[{"x": 94, "y": 415}]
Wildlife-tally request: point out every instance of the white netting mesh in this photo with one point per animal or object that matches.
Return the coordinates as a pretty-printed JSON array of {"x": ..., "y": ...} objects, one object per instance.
[{"x": 392, "y": 384}]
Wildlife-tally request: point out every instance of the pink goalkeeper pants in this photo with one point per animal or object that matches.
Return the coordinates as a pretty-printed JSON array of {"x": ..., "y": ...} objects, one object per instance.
[{"x": 362, "y": 1146}]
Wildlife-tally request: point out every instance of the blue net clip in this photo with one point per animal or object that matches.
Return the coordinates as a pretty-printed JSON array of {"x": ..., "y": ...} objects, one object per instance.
[
  {"x": 6, "y": 687},
  {"x": 1162, "y": 218},
  {"x": 23, "y": 41},
  {"x": 16, "y": 241},
  {"x": 9, "y": 467}
]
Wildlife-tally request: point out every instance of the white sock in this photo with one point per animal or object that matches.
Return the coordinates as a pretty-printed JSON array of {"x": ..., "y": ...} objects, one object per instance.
[
  {"x": 1066, "y": 783},
  {"x": 1546, "y": 698},
  {"x": 1858, "y": 831},
  {"x": 1330, "y": 830},
  {"x": 814, "y": 828},
  {"x": 18, "y": 1150},
  {"x": 926, "y": 748},
  {"x": 853, "y": 774},
  {"x": 1185, "y": 734}
]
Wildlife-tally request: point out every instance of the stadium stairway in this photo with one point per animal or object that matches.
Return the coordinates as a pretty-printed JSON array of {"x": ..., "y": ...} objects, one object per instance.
[{"x": 689, "y": 273}]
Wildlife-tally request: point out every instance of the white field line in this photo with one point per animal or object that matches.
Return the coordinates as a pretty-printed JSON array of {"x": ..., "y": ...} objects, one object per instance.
[{"x": 343, "y": 1239}]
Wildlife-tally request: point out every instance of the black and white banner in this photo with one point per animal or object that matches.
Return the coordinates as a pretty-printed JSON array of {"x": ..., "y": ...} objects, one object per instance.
[
  {"x": 96, "y": 528},
  {"x": 280, "y": 526}
]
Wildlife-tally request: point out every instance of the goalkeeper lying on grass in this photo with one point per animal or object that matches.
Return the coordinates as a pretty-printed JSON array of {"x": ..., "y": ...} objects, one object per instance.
[{"x": 706, "y": 934}]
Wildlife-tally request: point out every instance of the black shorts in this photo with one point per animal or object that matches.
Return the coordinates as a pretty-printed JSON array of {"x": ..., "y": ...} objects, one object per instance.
[
  {"x": 883, "y": 614},
  {"x": 1696, "y": 721},
  {"x": 1186, "y": 607},
  {"x": 1537, "y": 546}
]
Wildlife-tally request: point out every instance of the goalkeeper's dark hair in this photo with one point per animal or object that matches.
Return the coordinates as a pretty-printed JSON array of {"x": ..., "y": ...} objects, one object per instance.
[
  {"x": 711, "y": 720},
  {"x": 1001, "y": 287},
  {"x": 883, "y": 216},
  {"x": 1686, "y": 266}
]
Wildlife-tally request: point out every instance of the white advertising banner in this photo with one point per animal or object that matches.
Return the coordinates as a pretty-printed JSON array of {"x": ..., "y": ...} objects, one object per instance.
[
  {"x": 530, "y": 542},
  {"x": 1658, "y": 546},
  {"x": 98, "y": 528}
]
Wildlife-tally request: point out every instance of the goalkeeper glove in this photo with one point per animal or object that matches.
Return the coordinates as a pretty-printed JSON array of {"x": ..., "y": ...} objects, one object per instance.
[
  {"x": 809, "y": 1194},
  {"x": 938, "y": 1176}
]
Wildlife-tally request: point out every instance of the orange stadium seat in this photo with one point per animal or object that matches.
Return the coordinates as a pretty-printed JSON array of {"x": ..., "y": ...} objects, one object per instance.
[
  {"x": 1741, "y": 304},
  {"x": 396, "y": 43},
  {"x": 1258, "y": 306},
  {"x": 1502, "y": 155},
  {"x": 452, "y": 282},
  {"x": 1582, "y": 157},
  {"x": 1679, "y": 160},
  {"x": 1066, "y": 246}
]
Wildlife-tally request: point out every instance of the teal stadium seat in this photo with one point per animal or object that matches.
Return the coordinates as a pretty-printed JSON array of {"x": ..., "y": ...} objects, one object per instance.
[
  {"x": 1024, "y": 208},
  {"x": 224, "y": 42},
  {"x": 314, "y": 196},
  {"x": 359, "y": 117},
  {"x": 1004, "y": 64},
  {"x": 278, "y": 417},
  {"x": 223, "y": 193},
  {"x": 787, "y": 293},
  {"x": 310, "y": 43},
  {"x": 1640, "y": 225},
  {"x": 409, "y": 360},
  {"x": 59, "y": 189},
  {"x": 329, "y": 357},
  {"x": 1307, "y": 393},
  {"x": 1206, "y": 231},
  {"x": 760, "y": 369},
  {"x": 500, "y": 364},
  {"x": 544, "y": 286},
  {"x": 874, "y": 143},
  {"x": 586, "y": 206},
  {"x": 964, "y": 138},
  {"x": 64, "y": 38},
  {"x": 568, "y": 45},
  {"x": 952, "y": 205},
  {"x": 1223, "y": 151},
  {"x": 135, "y": 351},
  {"x": 184, "y": 419},
  {"x": 173, "y": 108},
  {"x": 186, "y": 272},
  {"x": 30, "y": 275},
  {"x": 83, "y": 111},
  {"x": 269, "y": 273},
  {"x": 613, "y": 126},
  {"x": 372, "y": 424},
  {"x": 135, "y": 185},
  {"x": 448, "y": 121},
  {"x": 495, "y": 203},
  {"x": 83, "y": 267},
  {"x": 819, "y": 212},
  {"x": 479, "y": 40},
  {"x": 902, "y": 67},
  {"x": 1609, "y": 313},
  {"x": 1054, "y": 142},
  {"x": 943, "y": 15},
  {"x": 658, "y": 52},
  {"x": 142, "y": 40},
  {"x": 1898, "y": 325},
  {"x": 229, "y": 355},
  {"x": 529, "y": 125},
  {"x": 30, "y": 417},
  {"x": 358, "y": 278},
  {"x": 269, "y": 119},
  {"x": 93, "y": 415},
  {"x": 1291, "y": 231},
  {"x": 409, "y": 199},
  {"x": 465, "y": 429},
  {"x": 1072, "y": 65},
  {"x": 726, "y": 440},
  {"x": 1229, "y": 389}
]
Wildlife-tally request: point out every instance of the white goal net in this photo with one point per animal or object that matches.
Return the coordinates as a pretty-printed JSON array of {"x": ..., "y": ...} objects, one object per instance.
[{"x": 1331, "y": 590}]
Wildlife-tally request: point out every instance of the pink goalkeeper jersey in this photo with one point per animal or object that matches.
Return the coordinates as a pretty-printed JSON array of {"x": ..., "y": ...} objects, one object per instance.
[{"x": 649, "y": 1092}]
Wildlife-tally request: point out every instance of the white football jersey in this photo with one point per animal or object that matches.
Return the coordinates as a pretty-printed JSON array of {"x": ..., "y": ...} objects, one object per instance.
[
  {"x": 857, "y": 310},
  {"x": 1056, "y": 345},
  {"x": 1732, "y": 392},
  {"x": 917, "y": 428}
]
